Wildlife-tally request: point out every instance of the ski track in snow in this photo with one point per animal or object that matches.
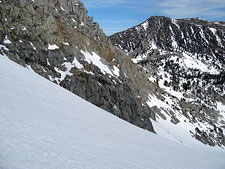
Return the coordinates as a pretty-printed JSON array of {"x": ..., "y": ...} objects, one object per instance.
[{"x": 43, "y": 126}]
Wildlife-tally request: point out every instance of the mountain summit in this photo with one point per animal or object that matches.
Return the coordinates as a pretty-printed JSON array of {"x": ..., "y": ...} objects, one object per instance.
[{"x": 184, "y": 60}]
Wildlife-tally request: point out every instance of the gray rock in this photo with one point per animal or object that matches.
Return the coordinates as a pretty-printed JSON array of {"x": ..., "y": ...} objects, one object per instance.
[{"x": 37, "y": 24}]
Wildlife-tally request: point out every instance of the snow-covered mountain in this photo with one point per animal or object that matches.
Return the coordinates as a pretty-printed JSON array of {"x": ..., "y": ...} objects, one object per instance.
[
  {"x": 45, "y": 126},
  {"x": 59, "y": 41},
  {"x": 185, "y": 63}
]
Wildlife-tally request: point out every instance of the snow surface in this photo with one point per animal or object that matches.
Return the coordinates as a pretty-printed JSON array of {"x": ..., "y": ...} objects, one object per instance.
[
  {"x": 24, "y": 29},
  {"x": 145, "y": 25},
  {"x": 93, "y": 58},
  {"x": 214, "y": 31},
  {"x": 116, "y": 71},
  {"x": 66, "y": 43},
  {"x": 62, "y": 9},
  {"x": 179, "y": 132},
  {"x": 64, "y": 73},
  {"x": 6, "y": 40},
  {"x": 139, "y": 58},
  {"x": 154, "y": 101},
  {"x": 154, "y": 45},
  {"x": 190, "y": 61},
  {"x": 82, "y": 24},
  {"x": 43, "y": 126},
  {"x": 3, "y": 47},
  {"x": 193, "y": 63},
  {"x": 74, "y": 20},
  {"x": 52, "y": 47},
  {"x": 68, "y": 67},
  {"x": 77, "y": 63},
  {"x": 221, "y": 108},
  {"x": 201, "y": 32},
  {"x": 175, "y": 23},
  {"x": 174, "y": 43},
  {"x": 33, "y": 46}
]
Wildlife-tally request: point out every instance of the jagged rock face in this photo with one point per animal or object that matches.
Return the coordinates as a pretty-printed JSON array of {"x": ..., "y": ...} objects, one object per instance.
[
  {"x": 184, "y": 60},
  {"x": 191, "y": 35},
  {"x": 58, "y": 40}
]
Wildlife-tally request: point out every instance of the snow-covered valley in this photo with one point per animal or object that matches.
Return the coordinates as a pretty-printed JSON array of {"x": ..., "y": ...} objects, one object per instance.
[{"x": 45, "y": 126}]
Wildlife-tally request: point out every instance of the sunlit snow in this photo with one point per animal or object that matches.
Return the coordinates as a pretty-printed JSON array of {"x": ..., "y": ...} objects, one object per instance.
[
  {"x": 3, "y": 47},
  {"x": 6, "y": 40},
  {"x": 214, "y": 31},
  {"x": 221, "y": 108},
  {"x": 145, "y": 25},
  {"x": 52, "y": 47},
  {"x": 45, "y": 126},
  {"x": 66, "y": 43},
  {"x": 154, "y": 101},
  {"x": 93, "y": 58}
]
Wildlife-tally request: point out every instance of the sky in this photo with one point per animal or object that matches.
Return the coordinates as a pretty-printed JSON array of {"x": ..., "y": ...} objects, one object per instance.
[{"x": 118, "y": 15}]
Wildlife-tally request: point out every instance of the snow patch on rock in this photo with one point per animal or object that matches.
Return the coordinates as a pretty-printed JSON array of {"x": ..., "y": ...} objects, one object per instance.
[{"x": 52, "y": 47}]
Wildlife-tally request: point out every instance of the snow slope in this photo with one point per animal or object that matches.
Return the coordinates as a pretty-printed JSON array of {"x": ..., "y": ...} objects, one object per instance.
[{"x": 44, "y": 126}]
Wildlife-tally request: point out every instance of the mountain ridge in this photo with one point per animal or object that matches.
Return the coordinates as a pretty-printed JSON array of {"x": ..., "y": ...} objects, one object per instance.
[{"x": 184, "y": 58}]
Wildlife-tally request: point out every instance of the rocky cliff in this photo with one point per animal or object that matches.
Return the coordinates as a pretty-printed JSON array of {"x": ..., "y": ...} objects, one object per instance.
[
  {"x": 58, "y": 40},
  {"x": 184, "y": 60}
]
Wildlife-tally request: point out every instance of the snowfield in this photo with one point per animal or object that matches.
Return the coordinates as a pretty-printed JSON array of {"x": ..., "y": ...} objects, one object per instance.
[{"x": 43, "y": 126}]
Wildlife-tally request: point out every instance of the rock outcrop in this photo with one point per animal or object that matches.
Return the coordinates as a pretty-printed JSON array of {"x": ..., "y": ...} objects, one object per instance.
[{"x": 58, "y": 40}]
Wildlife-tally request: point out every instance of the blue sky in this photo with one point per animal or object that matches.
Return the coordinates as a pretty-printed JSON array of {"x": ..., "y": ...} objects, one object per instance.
[{"x": 118, "y": 15}]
